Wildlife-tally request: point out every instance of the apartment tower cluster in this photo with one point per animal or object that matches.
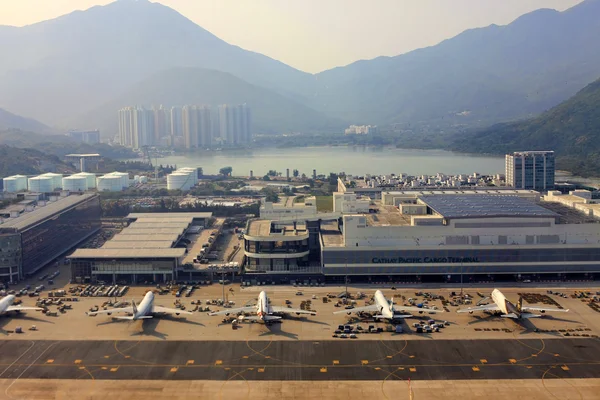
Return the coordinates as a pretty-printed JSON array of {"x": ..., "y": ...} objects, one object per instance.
[{"x": 190, "y": 126}]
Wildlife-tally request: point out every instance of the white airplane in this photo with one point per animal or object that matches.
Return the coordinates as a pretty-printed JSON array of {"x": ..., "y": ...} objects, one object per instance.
[
  {"x": 508, "y": 309},
  {"x": 264, "y": 311},
  {"x": 6, "y": 306},
  {"x": 386, "y": 309},
  {"x": 145, "y": 310}
]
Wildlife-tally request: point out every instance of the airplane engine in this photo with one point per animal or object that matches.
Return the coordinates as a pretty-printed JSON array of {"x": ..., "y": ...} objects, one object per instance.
[
  {"x": 349, "y": 313},
  {"x": 177, "y": 313},
  {"x": 227, "y": 314},
  {"x": 421, "y": 312},
  {"x": 470, "y": 312},
  {"x": 543, "y": 311},
  {"x": 297, "y": 313},
  {"x": 108, "y": 313}
]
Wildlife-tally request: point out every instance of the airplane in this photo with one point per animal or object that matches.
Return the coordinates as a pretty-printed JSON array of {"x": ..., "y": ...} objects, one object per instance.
[
  {"x": 264, "y": 311},
  {"x": 145, "y": 310},
  {"x": 510, "y": 310},
  {"x": 386, "y": 309},
  {"x": 6, "y": 306}
]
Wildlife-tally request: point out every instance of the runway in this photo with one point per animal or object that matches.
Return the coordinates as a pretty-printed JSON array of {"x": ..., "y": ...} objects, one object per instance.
[{"x": 301, "y": 360}]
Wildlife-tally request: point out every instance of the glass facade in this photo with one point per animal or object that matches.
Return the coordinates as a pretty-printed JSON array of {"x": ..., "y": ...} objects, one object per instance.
[
  {"x": 531, "y": 170},
  {"x": 51, "y": 238},
  {"x": 10, "y": 257}
]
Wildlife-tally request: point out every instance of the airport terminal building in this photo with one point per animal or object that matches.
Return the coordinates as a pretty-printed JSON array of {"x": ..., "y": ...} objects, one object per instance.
[
  {"x": 432, "y": 236},
  {"x": 35, "y": 233},
  {"x": 151, "y": 248}
]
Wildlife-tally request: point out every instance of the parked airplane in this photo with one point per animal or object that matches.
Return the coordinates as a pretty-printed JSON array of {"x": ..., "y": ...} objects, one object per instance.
[
  {"x": 145, "y": 310},
  {"x": 386, "y": 309},
  {"x": 508, "y": 309},
  {"x": 6, "y": 306},
  {"x": 264, "y": 311}
]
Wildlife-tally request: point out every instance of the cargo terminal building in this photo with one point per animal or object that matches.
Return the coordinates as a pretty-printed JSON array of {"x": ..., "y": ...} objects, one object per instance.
[
  {"x": 436, "y": 236},
  {"x": 152, "y": 248}
]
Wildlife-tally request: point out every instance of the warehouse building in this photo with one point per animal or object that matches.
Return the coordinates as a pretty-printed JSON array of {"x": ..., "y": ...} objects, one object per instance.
[
  {"x": 34, "y": 234},
  {"x": 151, "y": 249},
  {"x": 436, "y": 237}
]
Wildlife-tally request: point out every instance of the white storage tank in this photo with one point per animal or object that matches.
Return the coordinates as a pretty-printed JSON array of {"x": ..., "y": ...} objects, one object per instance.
[
  {"x": 74, "y": 183},
  {"x": 190, "y": 170},
  {"x": 90, "y": 179},
  {"x": 13, "y": 184},
  {"x": 124, "y": 178},
  {"x": 180, "y": 180},
  {"x": 109, "y": 183},
  {"x": 41, "y": 184},
  {"x": 56, "y": 180}
]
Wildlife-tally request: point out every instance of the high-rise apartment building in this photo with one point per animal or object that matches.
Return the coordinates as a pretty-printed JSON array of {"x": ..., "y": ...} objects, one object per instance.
[
  {"x": 530, "y": 170},
  {"x": 136, "y": 127},
  {"x": 176, "y": 122},
  {"x": 197, "y": 126},
  {"x": 235, "y": 124},
  {"x": 162, "y": 126}
]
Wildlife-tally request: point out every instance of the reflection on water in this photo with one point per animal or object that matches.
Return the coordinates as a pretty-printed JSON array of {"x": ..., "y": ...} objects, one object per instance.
[{"x": 352, "y": 160}]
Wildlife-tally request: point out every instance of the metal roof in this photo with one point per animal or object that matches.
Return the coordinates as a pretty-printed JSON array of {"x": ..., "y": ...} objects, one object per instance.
[
  {"x": 170, "y": 214},
  {"x": 138, "y": 244},
  {"x": 154, "y": 237},
  {"x": 40, "y": 214},
  {"x": 172, "y": 220},
  {"x": 154, "y": 225},
  {"x": 128, "y": 253},
  {"x": 485, "y": 206},
  {"x": 132, "y": 230}
]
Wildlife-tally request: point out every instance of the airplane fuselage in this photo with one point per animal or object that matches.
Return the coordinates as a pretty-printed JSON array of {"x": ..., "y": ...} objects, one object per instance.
[
  {"x": 385, "y": 308},
  {"x": 504, "y": 304},
  {"x": 5, "y": 303},
  {"x": 262, "y": 306},
  {"x": 145, "y": 308}
]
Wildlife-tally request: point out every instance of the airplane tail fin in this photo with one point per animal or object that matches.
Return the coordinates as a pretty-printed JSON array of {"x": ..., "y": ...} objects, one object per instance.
[
  {"x": 392, "y": 305},
  {"x": 520, "y": 304}
]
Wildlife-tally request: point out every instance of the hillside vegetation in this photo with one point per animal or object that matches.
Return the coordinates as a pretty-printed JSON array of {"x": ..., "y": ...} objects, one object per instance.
[{"x": 571, "y": 129}]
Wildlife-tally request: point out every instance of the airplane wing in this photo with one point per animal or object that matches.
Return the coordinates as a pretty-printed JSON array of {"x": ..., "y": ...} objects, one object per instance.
[
  {"x": 164, "y": 310},
  {"x": 229, "y": 311},
  {"x": 371, "y": 308},
  {"x": 489, "y": 307},
  {"x": 542, "y": 310},
  {"x": 112, "y": 310},
  {"x": 285, "y": 310},
  {"x": 416, "y": 309},
  {"x": 19, "y": 308}
]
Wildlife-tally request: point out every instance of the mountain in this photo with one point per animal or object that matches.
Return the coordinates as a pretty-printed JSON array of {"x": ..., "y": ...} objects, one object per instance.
[
  {"x": 60, "y": 145},
  {"x": 481, "y": 76},
  {"x": 11, "y": 121},
  {"x": 29, "y": 162},
  {"x": 571, "y": 129},
  {"x": 55, "y": 69},
  {"x": 271, "y": 112}
]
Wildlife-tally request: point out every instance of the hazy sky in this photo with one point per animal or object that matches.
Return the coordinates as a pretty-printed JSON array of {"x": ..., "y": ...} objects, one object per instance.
[{"x": 314, "y": 35}]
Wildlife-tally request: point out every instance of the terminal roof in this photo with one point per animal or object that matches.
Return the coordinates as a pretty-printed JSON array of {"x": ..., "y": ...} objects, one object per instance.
[
  {"x": 141, "y": 243},
  {"x": 145, "y": 236},
  {"x": 484, "y": 206},
  {"x": 40, "y": 214},
  {"x": 128, "y": 253},
  {"x": 170, "y": 215}
]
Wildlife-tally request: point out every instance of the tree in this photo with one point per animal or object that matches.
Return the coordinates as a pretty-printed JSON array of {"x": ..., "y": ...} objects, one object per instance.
[
  {"x": 296, "y": 173},
  {"x": 272, "y": 172},
  {"x": 272, "y": 197},
  {"x": 266, "y": 178},
  {"x": 226, "y": 171}
]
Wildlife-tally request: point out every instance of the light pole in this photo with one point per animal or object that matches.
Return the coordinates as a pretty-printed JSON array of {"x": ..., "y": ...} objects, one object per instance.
[{"x": 461, "y": 279}]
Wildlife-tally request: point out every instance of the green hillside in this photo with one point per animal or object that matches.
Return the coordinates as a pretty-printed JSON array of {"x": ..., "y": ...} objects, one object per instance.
[
  {"x": 29, "y": 162},
  {"x": 571, "y": 129}
]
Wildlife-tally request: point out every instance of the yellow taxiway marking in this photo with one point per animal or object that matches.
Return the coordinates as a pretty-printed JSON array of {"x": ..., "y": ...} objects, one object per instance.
[
  {"x": 219, "y": 362},
  {"x": 249, "y": 369},
  {"x": 564, "y": 368},
  {"x": 412, "y": 369},
  {"x": 483, "y": 361},
  {"x": 245, "y": 357},
  {"x": 81, "y": 367},
  {"x": 227, "y": 368},
  {"x": 174, "y": 369},
  {"x": 50, "y": 361},
  {"x": 106, "y": 356},
  {"x": 556, "y": 355},
  {"x": 401, "y": 368},
  {"x": 364, "y": 362},
  {"x": 389, "y": 356},
  {"x": 324, "y": 369},
  {"x": 411, "y": 356},
  {"x": 261, "y": 370},
  {"x": 512, "y": 360},
  {"x": 77, "y": 361},
  {"x": 127, "y": 356},
  {"x": 377, "y": 369},
  {"x": 190, "y": 362},
  {"x": 475, "y": 368},
  {"x": 114, "y": 369},
  {"x": 336, "y": 362},
  {"x": 534, "y": 355},
  {"x": 104, "y": 368},
  {"x": 267, "y": 356}
]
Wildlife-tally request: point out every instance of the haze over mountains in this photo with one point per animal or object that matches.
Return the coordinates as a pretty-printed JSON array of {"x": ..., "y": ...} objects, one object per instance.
[{"x": 77, "y": 70}]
